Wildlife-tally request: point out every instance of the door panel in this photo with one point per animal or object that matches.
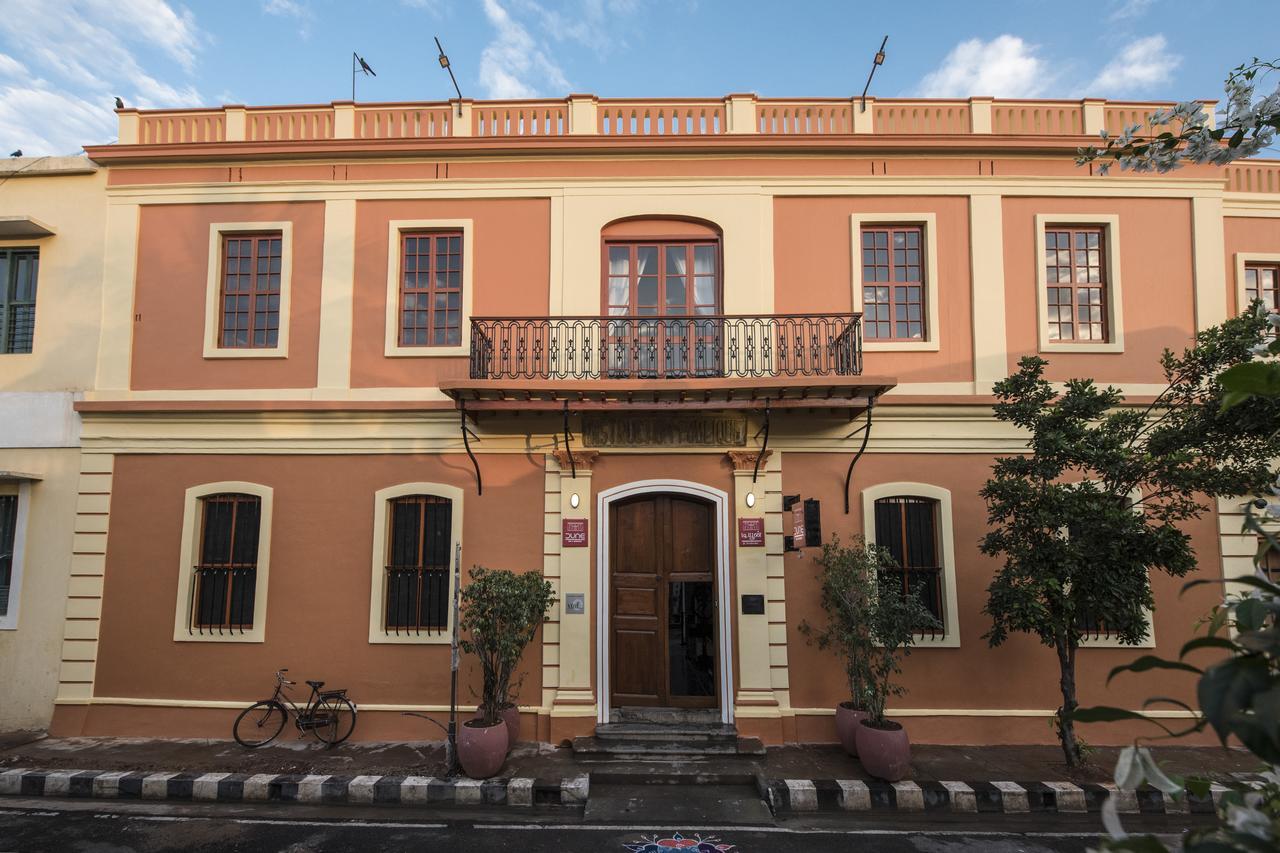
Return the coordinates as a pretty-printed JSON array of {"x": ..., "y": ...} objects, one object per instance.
[{"x": 662, "y": 602}]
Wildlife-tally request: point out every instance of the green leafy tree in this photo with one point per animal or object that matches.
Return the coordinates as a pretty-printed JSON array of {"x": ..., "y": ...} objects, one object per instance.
[
  {"x": 1097, "y": 501},
  {"x": 896, "y": 620},
  {"x": 501, "y": 612}
]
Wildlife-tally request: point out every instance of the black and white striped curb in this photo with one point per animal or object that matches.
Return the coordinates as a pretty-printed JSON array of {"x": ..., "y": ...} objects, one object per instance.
[
  {"x": 809, "y": 795},
  {"x": 294, "y": 788}
]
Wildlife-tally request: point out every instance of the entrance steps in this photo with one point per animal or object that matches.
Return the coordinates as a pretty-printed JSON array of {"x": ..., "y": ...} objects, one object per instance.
[{"x": 665, "y": 733}]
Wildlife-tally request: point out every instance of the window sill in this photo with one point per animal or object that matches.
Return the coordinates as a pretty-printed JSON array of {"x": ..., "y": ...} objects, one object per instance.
[
  {"x": 257, "y": 635},
  {"x": 1148, "y": 643},
  {"x": 1113, "y": 347},
  {"x": 900, "y": 346},
  {"x": 442, "y": 639},
  {"x": 429, "y": 351},
  {"x": 245, "y": 352}
]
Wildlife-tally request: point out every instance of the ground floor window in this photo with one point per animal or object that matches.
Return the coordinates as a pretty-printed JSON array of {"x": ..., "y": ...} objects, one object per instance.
[
  {"x": 8, "y": 540},
  {"x": 907, "y": 526},
  {"x": 226, "y": 576},
  {"x": 417, "y": 584}
]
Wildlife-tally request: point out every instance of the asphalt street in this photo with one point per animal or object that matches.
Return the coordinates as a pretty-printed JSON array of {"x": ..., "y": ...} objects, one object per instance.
[{"x": 33, "y": 826}]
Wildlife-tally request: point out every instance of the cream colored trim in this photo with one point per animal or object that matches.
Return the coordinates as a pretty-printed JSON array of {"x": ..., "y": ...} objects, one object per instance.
[
  {"x": 119, "y": 272},
  {"x": 1209, "y": 262},
  {"x": 337, "y": 295},
  {"x": 946, "y": 538},
  {"x": 986, "y": 270},
  {"x": 985, "y": 712},
  {"x": 929, "y": 223},
  {"x": 9, "y": 619},
  {"x": 378, "y": 577},
  {"x": 1251, "y": 205},
  {"x": 757, "y": 573},
  {"x": 213, "y": 289},
  {"x": 1237, "y": 545},
  {"x": 395, "y": 229},
  {"x": 192, "y": 518},
  {"x": 1243, "y": 259},
  {"x": 572, "y": 654},
  {"x": 149, "y": 702},
  {"x": 1115, "y": 303}
]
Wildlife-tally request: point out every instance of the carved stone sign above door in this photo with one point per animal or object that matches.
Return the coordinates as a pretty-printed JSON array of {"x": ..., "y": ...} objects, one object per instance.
[{"x": 664, "y": 430}]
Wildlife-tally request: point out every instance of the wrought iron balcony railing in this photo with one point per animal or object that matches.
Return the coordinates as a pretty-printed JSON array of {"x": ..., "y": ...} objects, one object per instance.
[{"x": 701, "y": 346}]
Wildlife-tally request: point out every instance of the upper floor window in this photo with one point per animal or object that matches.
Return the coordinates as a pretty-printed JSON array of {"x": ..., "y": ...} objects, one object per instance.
[
  {"x": 251, "y": 289},
  {"x": 417, "y": 581},
  {"x": 226, "y": 576},
  {"x": 908, "y": 527},
  {"x": 663, "y": 279},
  {"x": 1075, "y": 273},
  {"x": 431, "y": 289},
  {"x": 8, "y": 542},
  {"x": 1262, "y": 281},
  {"x": 893, "y": 283},
  {"x": 18, "y": 273}
]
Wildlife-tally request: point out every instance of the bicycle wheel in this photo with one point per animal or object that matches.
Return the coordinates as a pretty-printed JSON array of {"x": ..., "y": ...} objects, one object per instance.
[
  {"x": 259, "y": 724},
  {"x": 333, "y": 719}
]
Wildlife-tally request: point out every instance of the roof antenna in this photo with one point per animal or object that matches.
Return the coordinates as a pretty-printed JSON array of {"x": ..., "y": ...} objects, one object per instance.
[
  {"x": 875, "y": 63},
  {"x": 444, "y": 63},
  {"x": 358, "y": 65}
]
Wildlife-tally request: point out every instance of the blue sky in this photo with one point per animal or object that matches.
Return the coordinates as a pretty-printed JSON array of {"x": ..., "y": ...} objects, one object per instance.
[{"x": 62, "y": 61}]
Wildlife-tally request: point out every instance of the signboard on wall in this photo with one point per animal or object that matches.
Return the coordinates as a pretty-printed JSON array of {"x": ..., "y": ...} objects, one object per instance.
[
  {"x": 664, "y": 430},
  {"x": 751, "y": 532},
  {"x": 573, "y": 533},
  {"x": 797, "y": 525}
]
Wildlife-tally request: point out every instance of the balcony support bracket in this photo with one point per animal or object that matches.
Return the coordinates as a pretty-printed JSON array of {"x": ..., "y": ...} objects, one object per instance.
[
  {"x": 865, "y": 429},
  {"x": 764, "y": 448},
  {"x": 568, "y": 436},
  {"x": 467, "y": 435}
]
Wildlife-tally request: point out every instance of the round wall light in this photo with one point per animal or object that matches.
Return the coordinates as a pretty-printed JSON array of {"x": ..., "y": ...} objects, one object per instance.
[
  {"x": 751, "y": 499},
  {"x": 573, "y": 500}
]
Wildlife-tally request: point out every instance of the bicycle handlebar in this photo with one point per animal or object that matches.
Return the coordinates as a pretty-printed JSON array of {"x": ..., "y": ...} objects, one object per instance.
[{"x": 280, "y": 677}]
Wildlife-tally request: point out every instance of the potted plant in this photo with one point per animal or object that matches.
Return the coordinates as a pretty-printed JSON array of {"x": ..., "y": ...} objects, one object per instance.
[
  {"x": 848, "y": 580},
  {"x": 501, "y": 612},
  {"x": 896, "y": 619}
]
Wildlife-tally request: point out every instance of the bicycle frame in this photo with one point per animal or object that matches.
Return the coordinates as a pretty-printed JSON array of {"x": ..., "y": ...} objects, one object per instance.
[{"x": 303, "y": 717}]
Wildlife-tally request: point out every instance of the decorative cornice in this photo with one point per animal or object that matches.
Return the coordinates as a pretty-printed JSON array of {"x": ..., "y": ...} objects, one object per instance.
[
  {"x": 745, "y": 460},
  {"x": 583, "y": 459}
]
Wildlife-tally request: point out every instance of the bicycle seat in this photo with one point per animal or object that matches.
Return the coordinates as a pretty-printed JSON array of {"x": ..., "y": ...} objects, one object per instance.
[{"x": 316, "y": 684}]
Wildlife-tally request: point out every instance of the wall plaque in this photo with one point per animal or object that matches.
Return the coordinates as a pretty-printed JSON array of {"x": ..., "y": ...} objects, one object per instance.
[
  {"x": 664, "y": 430},
  {"x": 575, "y": 603},
  {"x": 753, "y": 605},
  {"x": 573, "y": 532},
  {"x": 751, "y": 532}
]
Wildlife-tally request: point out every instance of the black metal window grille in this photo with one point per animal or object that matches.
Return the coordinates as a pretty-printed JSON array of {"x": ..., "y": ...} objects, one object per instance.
[
  {"x": 8, "y": 533},
  {"x": 226, "y": 576},
  {"x": 1270, "y": 562},
  {"x": 907, "y": 527},
  {"x": 417, "y": 580},
  {"x": 19, "y": 269}
]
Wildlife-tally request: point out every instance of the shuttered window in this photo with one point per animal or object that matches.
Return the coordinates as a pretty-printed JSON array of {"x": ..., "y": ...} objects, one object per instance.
[
  {"x": 227, "y": 574},
  {"x": 418, "y": 564},
  {"x": 8, "y": 535},
  {"x": 907, "y": 527},
  {"x": 18, "y": 273},
  {"x": 1270, "y": 562}
]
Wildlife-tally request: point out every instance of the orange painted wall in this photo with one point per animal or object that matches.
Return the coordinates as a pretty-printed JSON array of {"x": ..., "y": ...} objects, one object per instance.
[
  {"x": 1156, "y": 279},
  {"x": 1259, "y": 235},
  {"x": 1019, "y": 675},
  {"x": 812, "y": 255},
  {"x": 172, "y": 281},
  {"x": 318, "y": 596},
  {"x": 511, "y": 278}
]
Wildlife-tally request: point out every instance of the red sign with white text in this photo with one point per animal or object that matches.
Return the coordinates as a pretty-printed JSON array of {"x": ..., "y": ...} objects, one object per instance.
[
  {"x": 797, "y": 524},
  {"x": 751, "y": 532},
  {"x": 573, "y": 532}
]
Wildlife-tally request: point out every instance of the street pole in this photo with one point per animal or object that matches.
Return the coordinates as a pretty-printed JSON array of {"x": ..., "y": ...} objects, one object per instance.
[{"x": 451, "y": 749}]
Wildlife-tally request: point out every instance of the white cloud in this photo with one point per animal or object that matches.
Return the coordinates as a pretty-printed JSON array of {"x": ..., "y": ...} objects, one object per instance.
[
  {"x": 1005, "y": 67},
  {"x": 514, "y": 64},
  {"x": 300, "y": 12},
  {"x": 10, "y": 67},
  {"x": 75, "y": 56},
  {"x": 1141, "y": 64},
  {"x": 1129, "y": 9}
]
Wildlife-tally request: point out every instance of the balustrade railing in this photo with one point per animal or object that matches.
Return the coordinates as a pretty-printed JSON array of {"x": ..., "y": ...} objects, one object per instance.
[{"x": 691, "y": 347}]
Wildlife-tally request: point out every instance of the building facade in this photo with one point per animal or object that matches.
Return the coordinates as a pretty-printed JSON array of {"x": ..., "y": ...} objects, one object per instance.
[{"x": 639, "y": 346}]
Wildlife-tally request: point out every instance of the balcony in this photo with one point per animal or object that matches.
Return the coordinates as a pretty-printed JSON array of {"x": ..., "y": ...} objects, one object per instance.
[{"x": 703, "y": 347}]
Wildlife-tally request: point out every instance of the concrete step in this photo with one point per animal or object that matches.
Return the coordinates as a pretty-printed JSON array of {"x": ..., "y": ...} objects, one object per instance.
[
  {"x": 626, "y": 747},
  {"x": 665, "y": 716},
  {"x": 694, "y": 733}
]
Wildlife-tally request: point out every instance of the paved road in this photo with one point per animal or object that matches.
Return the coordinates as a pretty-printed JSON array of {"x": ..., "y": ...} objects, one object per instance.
[{"x": 35, "y": 826}]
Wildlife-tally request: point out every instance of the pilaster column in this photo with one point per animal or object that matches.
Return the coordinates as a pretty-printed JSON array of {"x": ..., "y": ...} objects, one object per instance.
[
  {"x": 740, "y": 110},
  {"x": 337, "y": 294},
  {"x": 129, "y": 126},
  {"x": 864, "y": 120},
  {"x": 1094, "y": 115},
  {"x": 582, "y": 115},
  {"x": 986, "y": 251},
  {"x": 755, "y": 677},
  {"x": 980, "y": 115},
  {"x": 344, "y": 120},
  {"x": 574, "y": 694},
  {"x": 460, "y": 117},
  {"x": 1209, "y": 261},
  {"x": 237, "y": 119}
]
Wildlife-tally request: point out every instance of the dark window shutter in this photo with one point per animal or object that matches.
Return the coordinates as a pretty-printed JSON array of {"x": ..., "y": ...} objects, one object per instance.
[{"x": 8, "y": 533}]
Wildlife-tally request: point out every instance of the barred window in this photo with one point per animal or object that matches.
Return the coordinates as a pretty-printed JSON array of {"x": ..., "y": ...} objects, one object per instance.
[
  {"x": 893, "y": 284},
  {"x": 431, "y": 289},
  {"x": 1076, "y": 278},
  {"x": 1262, "y": 281},
  {"x": 417, "y": 583},
  {"x": 251, "y": 269},
  {"x": 19, "y": 270},
  {"x": 226, "y": 576},
  {"x": 907, "y": 526},
  {"x": 8, "y": 537}
]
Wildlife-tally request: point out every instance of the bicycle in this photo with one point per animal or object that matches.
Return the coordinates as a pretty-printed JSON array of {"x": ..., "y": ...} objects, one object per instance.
[{"x": 328, "y": 714}]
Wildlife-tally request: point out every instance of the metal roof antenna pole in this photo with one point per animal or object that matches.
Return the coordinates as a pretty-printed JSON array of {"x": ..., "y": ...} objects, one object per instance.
[
  {"x": 865, "y": 429},
  {"x": 466, "y": 443},
  {"x": 764, "y": 448},
  {"x": 876, "y": 62},
  {"x": 573, "y": 467}
]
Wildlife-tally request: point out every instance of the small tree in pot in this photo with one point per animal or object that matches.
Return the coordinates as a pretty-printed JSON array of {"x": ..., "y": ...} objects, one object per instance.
[
  {"x": 501, "y": 612},
  {"x": 848, "y": 580}
]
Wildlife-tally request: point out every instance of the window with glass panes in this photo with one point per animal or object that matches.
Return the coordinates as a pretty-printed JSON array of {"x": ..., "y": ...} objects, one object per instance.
[
  {"x": 417, "y": 584},
  {"x": 227, "y": 574},
  {"x": 431, "y": 289},
  {"x": 8, "y": 536},
  {"x": 893, "y": 283},
  {"x": 654, "y": 279},
  {"x": 1270, "y": 561},
  {"x": 1262, "y": 281},
  {"x": 250, "y": 291},
  {"x": 907, "y": 526},
  {"x": 18, "y": 272},
  {"x": 1076, "y": 278}
]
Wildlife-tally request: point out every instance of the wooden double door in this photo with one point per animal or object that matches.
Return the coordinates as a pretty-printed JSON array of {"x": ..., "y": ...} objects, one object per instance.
[{"x": 662, "y": 602}]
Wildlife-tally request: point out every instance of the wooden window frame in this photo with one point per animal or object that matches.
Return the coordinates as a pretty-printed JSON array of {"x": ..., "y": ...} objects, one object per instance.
[
  {"x": 945, "y": 532},
  {"x": 257, "y": 319},
  {"x": 927, "y": 223},
  {"x": 9, "y": 300},
  {"x": 1078, "y": 285},
  {"x": 190, "y": 554},
  {"x": 382, "y": 499},
  {"x": 1113, "y": 296},
  {"x": 1252, "y": 260},
  {"x": 431, "y": 291},
  {"x": 396, "y": 230},
  {"x": 219, "y": 232},
  {"x": 892, "y": 284},
  {"x": 900, "y": 502}
]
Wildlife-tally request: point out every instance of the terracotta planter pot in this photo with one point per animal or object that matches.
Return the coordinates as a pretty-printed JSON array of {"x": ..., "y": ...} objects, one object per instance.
[
  {"x": 847, "y": 720},
  {"x": 510, "y": 715},
  {"x": 482, "y": 749},
  {"x": 884, "y": 753}
]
